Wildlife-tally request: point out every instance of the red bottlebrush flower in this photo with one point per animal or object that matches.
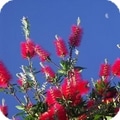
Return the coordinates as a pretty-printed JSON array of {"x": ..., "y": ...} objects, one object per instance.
[
  {"x": 4, "y": 76},
  {"x": 61, "y": 48},
  {"x": 104, "y": 70},
  {"x": 76, "y": 35},
  {"x": 110, "y": 95},
  {"x": 68, "y": 89},
  {"x": 58, "y": 112},
  {"x": 46, "y": 116},
  {"x": 49, "y": 73},
  {"x": 52, "y": 95},
  {"x": 108, "y": 100},
  {"x": 44, "y": 55},
  {"x": 4, "y": 110},
  {"x": 116, "y": 68},
  {"x": 83, "y": 87},
  {"x": 73, "y": 88},
  {"x": 20, "y": 82},
  {"x": 78, "y": 83},
  {"x": 90, "y": 103},
  {"x": 28, "y": 49},
  {"x": 77, "y": 99}
]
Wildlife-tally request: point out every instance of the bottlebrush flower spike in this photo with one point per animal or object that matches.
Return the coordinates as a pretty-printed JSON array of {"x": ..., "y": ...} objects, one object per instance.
[
  {"x": 4, "y": 76},
  {"x": 28, "y": 49},
  {"x": 76, "y": 35},
  {"x": 4, "y": 108},
  {"x": 45, "y": 116},
  {"x": 52, "y": 95},
  {"x": 104, "y": 69},
  {"x": 20, "y": 82},
  {"x": 43, "y": 54},
  {"x": 74, "y": 87},
  {"x": 58, "y": 112},
  {"x": 90, "y": 103},
  {"x": 49, "y": 73},
  {"x": 81, "y": 85},
  {"x": 61, "y": 48},
  {"x": 116, "y": 68},
  {"x": 67, "y": 89}
]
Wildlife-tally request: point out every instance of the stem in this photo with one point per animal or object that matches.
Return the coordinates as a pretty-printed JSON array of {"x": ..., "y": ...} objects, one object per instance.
[
  {"x": 54, "y": 64},
  {"x": 70, "y": 55},
  {"x": 15, "y": 96},
  {"x": 27, "y": 95},
  {"x": 30, "y": 64},
  {"x": 34, "y": 80},
  {"x": 112, "y": 77},
  {"x": 12, "y": 92}
]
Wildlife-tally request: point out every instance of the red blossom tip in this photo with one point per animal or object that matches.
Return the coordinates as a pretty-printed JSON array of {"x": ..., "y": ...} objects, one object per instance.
[
  {"x": 76, "y": 36},
  {"x": 104, "y": 70},
  {"x": 116, "y": 68},
  {"x": 27, "y": 49},
  {"x": 43, "y": 54},
  {"x": 4, "y": 108},
  {"x": 4, "y": 76},
  {"x": 49, "y": 73},
  {"x": 60, "y": 46},
  {"x": 52, "y": 95}
]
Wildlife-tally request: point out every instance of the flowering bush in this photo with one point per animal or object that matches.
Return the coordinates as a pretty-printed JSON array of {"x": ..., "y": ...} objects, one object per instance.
[{"x": 64, "y": 95}]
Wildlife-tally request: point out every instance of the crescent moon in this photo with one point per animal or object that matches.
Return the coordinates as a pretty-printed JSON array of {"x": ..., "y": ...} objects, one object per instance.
[{"x": 106, "y": 15}]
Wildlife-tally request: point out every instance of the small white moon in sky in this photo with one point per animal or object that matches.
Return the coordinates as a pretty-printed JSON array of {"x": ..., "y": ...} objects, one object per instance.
[{"x": 106, "y": 15}]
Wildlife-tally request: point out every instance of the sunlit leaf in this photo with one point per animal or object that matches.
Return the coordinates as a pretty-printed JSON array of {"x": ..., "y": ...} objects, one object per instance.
[{"x": 19, "y": 107}]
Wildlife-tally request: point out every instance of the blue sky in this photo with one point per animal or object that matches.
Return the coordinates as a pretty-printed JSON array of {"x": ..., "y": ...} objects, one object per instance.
[{"x": 48, "y": 18}]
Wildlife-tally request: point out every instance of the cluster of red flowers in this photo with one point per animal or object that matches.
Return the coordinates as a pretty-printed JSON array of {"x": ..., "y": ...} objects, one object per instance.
[
  {"x": 67, "y": 88},
  {"x": 71, "y": 90},
  {"x": 29, "y": 50},
  {"x": 103, "y": 87}
]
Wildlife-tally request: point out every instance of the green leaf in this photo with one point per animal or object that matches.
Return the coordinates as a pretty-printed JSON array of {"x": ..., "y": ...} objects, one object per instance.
[
  {"x": 108, "y": 117},
  {"x": 62, "y": 64},
  {"x": 19, "y": 107},
  {"x": 62, "y": 72},
  {"x": 79, "y": 68},
  {"x": 97, "y": 117},
  {"x": 29, "y": 118},
  {"x": 65, "y": 65},
  {"x": 19, "y": 114}
]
